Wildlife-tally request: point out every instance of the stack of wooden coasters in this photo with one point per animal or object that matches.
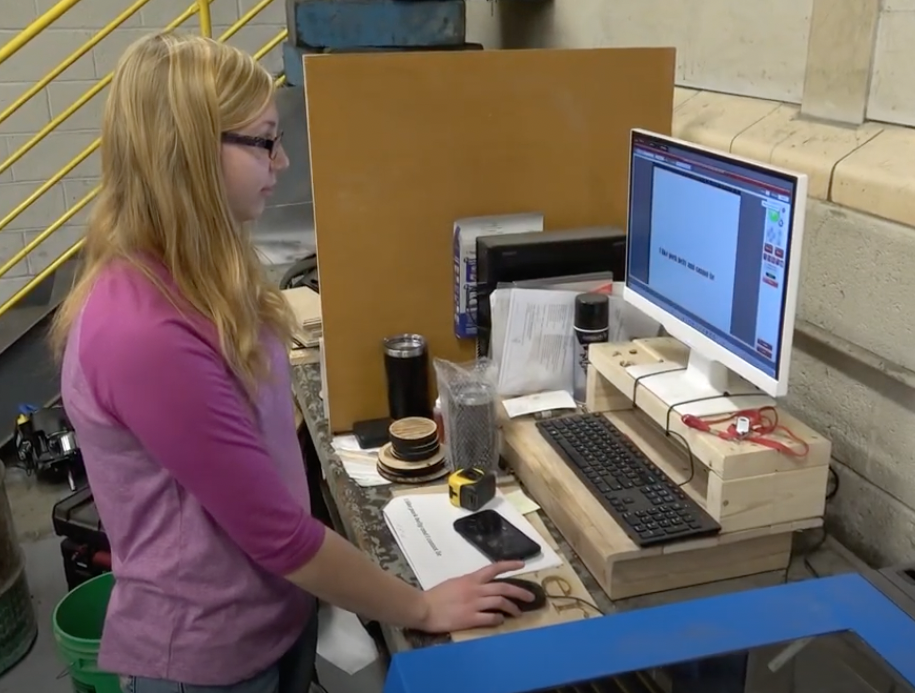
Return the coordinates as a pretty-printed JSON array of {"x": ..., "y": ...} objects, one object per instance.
[{"x": 414, "y": 455}]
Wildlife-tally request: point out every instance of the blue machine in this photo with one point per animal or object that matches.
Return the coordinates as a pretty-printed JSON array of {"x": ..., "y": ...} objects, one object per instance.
[
  {"x": 700, "y": 646},
  {"x": 329, "y": 26}
]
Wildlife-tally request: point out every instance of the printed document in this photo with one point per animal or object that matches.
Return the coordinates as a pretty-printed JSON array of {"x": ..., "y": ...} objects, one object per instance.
[
  {"x": 535, "y": 328},
  {"x": 423, "y": 523}
]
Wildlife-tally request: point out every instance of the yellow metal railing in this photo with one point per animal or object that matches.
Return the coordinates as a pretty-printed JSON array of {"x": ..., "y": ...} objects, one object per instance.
[{"x": 199, "y": 7}]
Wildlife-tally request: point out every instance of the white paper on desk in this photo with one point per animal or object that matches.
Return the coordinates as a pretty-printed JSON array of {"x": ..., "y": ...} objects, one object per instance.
[
  {"x": 360, "y": 465},
  {"x": 365, "y": 475},
  {"x": 323, "y": 392},
  {"x": 422, "y": 525},
  {"x": 538, "y": 402},
  {"x": 343, "y": 640},
  {"x": 349, "y": 443},
  {"x": 538, "y": 349},
  {"x": 523, "y": 503},
  {"x": 499, "y": 302}
]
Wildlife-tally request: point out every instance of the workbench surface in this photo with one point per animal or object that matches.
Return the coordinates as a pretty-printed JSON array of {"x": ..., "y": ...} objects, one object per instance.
[{"x": 359, "y": 513}]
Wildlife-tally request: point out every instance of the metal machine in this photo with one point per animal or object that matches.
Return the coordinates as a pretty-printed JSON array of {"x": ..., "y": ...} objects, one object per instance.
[
  {"x": 847, "y": 633},
  {"x": 348, "y": 26},
  {"x": 46, "y": 446}
]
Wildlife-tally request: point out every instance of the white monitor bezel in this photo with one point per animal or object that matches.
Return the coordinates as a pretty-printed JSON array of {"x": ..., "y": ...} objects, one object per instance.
[{"x": 775, "y": 387}]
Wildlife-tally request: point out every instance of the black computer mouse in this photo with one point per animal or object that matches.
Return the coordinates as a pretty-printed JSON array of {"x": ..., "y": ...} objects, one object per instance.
[{"x": 539, "y": 600}]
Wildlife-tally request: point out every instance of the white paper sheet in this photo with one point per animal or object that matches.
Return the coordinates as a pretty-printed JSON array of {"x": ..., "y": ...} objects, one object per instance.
[
  {"x": 499, "y": 302},
  {"x": 538, "y": 402},
  {"x": 521, "y": 502},
  {"x": 538, "y": 349},
  {"x": 422, "y": 524},
  {"x": 343, "y": 641},
  {"x": 360, "y": 465}
]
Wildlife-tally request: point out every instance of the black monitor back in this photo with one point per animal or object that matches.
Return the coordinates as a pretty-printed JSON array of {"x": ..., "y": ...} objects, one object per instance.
[{"x": 543, "y": 255}]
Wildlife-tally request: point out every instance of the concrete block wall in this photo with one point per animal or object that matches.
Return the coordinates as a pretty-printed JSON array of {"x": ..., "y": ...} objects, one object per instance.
[
  {"x": 823, "y": 87},
  {"x": 34, "y": 61}
]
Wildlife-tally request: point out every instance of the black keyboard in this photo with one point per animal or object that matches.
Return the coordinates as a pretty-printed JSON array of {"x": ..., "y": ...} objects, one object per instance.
[{"x": 647, "y": 504}]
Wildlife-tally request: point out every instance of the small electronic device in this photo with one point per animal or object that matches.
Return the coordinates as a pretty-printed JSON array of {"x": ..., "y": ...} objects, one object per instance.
[
  {"x": 46, "y": 445},
  {"x": 495, "y": 537},
  {"x": 646, "y": 503},
  {"x": 534, "y": 588},
  {"x": 543, "y": 255},
  {"x": 472, "y": 488},
  {"x": 713, "y": 254},
  {"x": 371, "y": 433}
]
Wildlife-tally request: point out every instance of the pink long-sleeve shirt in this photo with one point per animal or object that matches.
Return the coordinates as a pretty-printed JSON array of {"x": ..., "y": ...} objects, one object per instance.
[{"x": 201, "y": 491}]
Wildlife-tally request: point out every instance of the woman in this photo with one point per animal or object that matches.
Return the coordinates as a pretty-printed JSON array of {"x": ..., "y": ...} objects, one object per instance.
[{"x": 176, "y": 380}]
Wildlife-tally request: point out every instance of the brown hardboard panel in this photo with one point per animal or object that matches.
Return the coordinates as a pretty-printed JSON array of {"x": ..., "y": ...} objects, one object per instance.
[{"x": 402, "y": 145}]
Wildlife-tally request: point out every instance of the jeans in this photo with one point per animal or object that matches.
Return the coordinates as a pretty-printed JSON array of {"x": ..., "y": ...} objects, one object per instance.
[{"x": 292, "y": 674}]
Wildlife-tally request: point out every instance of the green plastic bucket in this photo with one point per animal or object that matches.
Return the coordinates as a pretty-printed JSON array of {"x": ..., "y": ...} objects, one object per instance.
[{"x": 78, "y": 621}]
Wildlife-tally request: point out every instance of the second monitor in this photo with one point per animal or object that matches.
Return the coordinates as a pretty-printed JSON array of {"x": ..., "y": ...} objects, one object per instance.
[{"x": 713, "y": 254}]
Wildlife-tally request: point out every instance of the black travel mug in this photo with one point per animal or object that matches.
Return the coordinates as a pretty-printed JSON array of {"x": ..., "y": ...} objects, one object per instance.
[{"x": 406, "y": 366}]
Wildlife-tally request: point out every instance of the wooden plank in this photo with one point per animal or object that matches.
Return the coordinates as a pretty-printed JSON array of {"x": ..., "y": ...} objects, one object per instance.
[
  {"x": 403, "y": 144},
  {"x": 768, "y": 499},
  {"x": 728, "y": 459},
  {"x": 619, "y": 566}
]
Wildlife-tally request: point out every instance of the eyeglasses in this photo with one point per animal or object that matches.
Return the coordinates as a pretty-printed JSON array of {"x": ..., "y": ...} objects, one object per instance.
[{"x": 271, "y": 144}]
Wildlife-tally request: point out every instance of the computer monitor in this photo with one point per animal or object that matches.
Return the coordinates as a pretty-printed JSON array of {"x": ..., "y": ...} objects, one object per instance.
[{"x": 713, "y": 254}]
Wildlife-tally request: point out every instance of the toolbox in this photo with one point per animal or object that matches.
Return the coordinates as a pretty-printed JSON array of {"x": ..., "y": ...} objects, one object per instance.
[{"x": 84, "y": 545}]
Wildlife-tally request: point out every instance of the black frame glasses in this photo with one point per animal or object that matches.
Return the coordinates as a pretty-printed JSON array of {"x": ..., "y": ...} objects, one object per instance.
[{"x": 271, "y": 144}]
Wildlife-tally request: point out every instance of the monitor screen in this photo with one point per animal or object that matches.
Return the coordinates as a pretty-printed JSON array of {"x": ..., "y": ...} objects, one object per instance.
[{"x": 709, "y": 241}]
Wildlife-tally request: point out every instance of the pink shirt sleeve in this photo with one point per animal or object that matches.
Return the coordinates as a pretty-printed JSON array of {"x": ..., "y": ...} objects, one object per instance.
[{"x": 174, "y": 393}]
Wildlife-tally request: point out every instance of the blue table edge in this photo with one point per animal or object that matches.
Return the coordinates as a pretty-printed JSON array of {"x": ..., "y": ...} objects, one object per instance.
[{"x": 570, "y": 653}]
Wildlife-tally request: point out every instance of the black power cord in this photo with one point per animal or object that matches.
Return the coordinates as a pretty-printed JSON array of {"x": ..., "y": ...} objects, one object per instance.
[{"x": 577, "y": 600}]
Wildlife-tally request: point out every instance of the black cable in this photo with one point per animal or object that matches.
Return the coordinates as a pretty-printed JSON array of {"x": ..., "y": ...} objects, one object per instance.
[
  {"x": 667, "y": 431},
  {"x": 578, "y": 600},
  {"x": 637, "y": 381},
  {"x": 812, "y": 549},
  {"x": 830, "y": 493},
  {"x": 819, "y": 543}
]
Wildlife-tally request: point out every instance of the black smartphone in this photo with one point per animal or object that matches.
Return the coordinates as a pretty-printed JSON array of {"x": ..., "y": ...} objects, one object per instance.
[{"x": 495, "y": 537}]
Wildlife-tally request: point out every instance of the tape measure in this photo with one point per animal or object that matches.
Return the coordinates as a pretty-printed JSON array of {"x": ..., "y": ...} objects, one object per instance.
[{"x": 471, "y": 488}]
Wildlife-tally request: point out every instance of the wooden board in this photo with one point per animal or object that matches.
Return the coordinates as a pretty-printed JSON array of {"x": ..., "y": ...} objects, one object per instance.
[
  {"x": 403, "y": 144},
  {"x": 560, "y": 581},
  {"x": 611, "y": 389},
  {"x": 620, "y": 567}
]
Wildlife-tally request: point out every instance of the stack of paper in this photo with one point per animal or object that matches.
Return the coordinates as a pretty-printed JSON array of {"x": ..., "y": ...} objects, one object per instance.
[
  {"x": 533, "y": 342},
  {"x": 360, "y": 465},
  {"x": 423, "y": 523},
  {"x": 306, "y": 306}
]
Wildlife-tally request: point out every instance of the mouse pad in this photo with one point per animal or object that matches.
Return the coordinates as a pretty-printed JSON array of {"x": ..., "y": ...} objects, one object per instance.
[{"x": 558, "y": 581}]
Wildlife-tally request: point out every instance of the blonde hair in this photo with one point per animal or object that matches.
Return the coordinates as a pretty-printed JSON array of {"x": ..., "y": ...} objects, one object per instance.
[{"x": 163, "y": 196}]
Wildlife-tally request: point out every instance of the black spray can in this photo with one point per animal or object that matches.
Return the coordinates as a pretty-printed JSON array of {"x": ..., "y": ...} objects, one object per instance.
[{"x": 592, "y": 326}]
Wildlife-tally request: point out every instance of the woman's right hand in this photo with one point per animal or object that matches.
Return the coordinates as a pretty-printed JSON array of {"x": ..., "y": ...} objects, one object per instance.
[{"x": 466, "y": 602}]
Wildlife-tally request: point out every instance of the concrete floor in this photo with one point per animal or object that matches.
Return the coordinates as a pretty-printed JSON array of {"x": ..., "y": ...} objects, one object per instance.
[{"x": 41, "y": 671}]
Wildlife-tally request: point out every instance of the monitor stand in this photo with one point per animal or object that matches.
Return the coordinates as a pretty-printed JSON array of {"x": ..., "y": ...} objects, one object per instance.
[{"x": 705, "y": 388}]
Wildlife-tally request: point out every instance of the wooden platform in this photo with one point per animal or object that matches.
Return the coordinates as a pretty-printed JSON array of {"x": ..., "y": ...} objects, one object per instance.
[
  {"x": 759, "y": 496},
  {"x": 742, "y": 485}
]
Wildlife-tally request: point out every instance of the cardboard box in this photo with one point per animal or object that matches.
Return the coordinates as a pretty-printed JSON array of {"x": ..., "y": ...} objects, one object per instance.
[{"x": 466, "y": 232}]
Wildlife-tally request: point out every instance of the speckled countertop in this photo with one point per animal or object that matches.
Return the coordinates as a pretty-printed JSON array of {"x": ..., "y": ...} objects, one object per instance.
[{"x": 360, "y": 511}]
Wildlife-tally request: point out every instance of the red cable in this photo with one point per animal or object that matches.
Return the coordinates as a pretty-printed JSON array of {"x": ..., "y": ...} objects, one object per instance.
[{"x": 763, "y": 423}]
